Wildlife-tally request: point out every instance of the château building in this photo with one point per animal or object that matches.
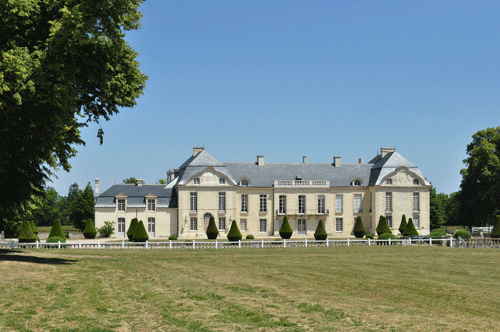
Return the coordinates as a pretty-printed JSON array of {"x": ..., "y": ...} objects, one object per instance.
[{"x": 258, "y": 195}]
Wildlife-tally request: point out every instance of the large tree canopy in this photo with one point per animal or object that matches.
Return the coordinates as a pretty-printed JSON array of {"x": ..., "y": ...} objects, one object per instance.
[
  {"x": 62, "y": 63},
  {"x": 479, "y": 197}
]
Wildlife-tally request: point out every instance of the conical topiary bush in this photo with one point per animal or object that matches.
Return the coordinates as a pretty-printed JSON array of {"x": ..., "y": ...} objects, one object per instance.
[
  {"x": 320, "y": 234},
  {"x": 234, "y": 232},
  {"x": 383, "y": 227},
  {"x": 89, "y": 232},
  {"x": 33, "y": 227},
  {"x": 359, "y": 228},
  {"x": 212, "y": 231},
  {"x": 26, "y": 234},
  {"x": 131, "y": 228},
  {"x": 495, "y": 232},
  {"x": 403, "y": 224},
  {"x": 410, "y": 229},
  {"x": 286, "y": 230},
  {"x": 140, "y": 234},
  {"x": 56, "y": 230}
]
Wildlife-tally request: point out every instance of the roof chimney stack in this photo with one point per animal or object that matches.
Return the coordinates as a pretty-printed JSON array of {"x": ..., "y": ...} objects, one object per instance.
[
  {"x": 139, "y": 182},
  {"x": 197, "y": 150},
  {"x": 260, "y": 160},
  {"x": 385, "y": 151},
  {"x": 336, "y": 161},
  {"x": 96, "y": 187},
  {"x": 304, "y": 159},
  {"x": 360, "y": 160}
]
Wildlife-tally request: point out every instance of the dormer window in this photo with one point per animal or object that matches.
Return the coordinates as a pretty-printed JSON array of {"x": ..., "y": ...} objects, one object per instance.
[
  {"x": 121, "y": 205},
  {"x": 416, "y": 182},
  {"x": 222, "y": 181},
  {"x": 298, "y": 178},
  {"x": 151, "y": 205},
  {"x": 389, "y": 182},
  {"x": 244, "y": 183},
  {"x": 356, "y": 183},
  {"x": 196, "y": 181}
]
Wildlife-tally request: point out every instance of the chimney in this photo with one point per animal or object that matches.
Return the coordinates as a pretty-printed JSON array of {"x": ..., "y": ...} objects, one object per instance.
[
  {"x": 139, "y": 182},
  {"x": 360, "y": 160},
  {"x": 336, "y": 161},
  {"x": 385, "y": 151},
  {"x": 260, "y": 160},
  {"x": 96, "y": 187},
  {"x": 197, "y": 150},
  {"x": 304, "y": 159}
]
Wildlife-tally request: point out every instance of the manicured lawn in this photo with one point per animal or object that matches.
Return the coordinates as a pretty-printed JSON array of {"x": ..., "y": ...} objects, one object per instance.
[
  {"x": 416, "y": 288},
  {"x": 46, "y": 229}
]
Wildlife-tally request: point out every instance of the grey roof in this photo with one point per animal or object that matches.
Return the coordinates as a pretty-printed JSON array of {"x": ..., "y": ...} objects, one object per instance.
[
  {"x": 390, "y": 163},
  {"x": 198, "y": 163},
  {"x": 136, "y": 195}
]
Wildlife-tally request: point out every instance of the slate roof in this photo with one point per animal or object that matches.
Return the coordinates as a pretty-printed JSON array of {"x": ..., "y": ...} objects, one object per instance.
[
  {"x": 136, "y": 195},
  {"x": 391, "y": 162},
  {"x": 199, "y": 163}
]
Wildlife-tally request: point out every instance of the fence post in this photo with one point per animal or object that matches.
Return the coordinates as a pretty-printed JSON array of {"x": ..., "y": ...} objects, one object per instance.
[
  {"x": 262, "y": 246},
  {"x": 306, "y": 243},
  {"x": 430, "y": 241},
  {"x": 36, "y": 244},
  {"x": 451, "y": 242},
  {"x": 368, "y": 242},
  {"x": 284, "y": 243},
  {"x": 170, "y": 244},
  {"x": 123, "y": 244},
  {"x": 409, "y": 240},
  {"x": 348, "y": 242},
  {"x": 327, "y": 242},
  {"x": 79, "y": 244},
  {"x": 58, "y": 244},
  {"x": 194, "y": 244},
  {"x": 146, "y": 245},
  {"x": 239, "y": 244},
  {"x": 389, "y": 241}
]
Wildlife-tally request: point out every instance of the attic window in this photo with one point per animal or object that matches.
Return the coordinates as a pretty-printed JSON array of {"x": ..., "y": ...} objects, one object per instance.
[
  {"x": 389, "y": 181},
  {"x": 416, "y": 182},
  {"x": 196, "y": 181},
  {"x": 222, "y": 181},
  {"x": 244, "y": 183},
  {"x": 298, "y": 178},
  {"x": 356, "y": 183}
]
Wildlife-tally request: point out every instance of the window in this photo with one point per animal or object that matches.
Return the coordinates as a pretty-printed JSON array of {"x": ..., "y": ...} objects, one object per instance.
[
  {"x": 416, "y": 221},
  {"x": 196, "y": 181},
  {"x": 244, "y": 183},
  {"x": 244, "y": 203},
  {"x": 389, "y": 221},
  {"x": 416, "y": 182},
  {"x": 151, "y": 225},
  {"x": 338, "y": 203},
  {"x": 321, "y": 204},
  {"x": 222, "y": 223},
  {"x": 263, "y": 203},
  {"x": 121, "y": 225},
  {"x": 151, "y": 204},
  {"x": 263, "y": 225},
  {"x": 339, "y": 225},
  {"x": 388, "y": 202},
  {"x": 193, "y": 202},
  {"x": 302, "y": 204},
  {"x": 243, "y": 224},
  {"x": 282, "y": 204},
  {"x": 356, "y": 183},
  {"x": 222, "y": 181},
  {"x": 389, "y": 182},
  {"x": 301, "y": 226},
  {"x": 222, "y": 202},
  {"x": 121, "y": 205},
  {"x": 416, "y": 202},
  {"x": 206, "y": 220},
  {"x": 357, "y": 204},
  {"x": 193, "y": 225}
]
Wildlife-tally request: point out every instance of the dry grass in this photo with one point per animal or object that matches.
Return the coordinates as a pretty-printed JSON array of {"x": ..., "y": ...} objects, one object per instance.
[{"x": 295, "y": 289}]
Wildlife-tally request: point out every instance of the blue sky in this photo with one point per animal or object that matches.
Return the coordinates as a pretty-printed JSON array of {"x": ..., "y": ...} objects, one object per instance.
[{"x": 288, "y": 79}]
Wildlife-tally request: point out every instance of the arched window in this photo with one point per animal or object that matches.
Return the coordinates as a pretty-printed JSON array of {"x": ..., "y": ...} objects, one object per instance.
[
  {"x": 244, "y": 183},
  {"x": 356, "y": 183},
  {"x": 222, "y": 181},
  {"x": 416, "y": 182},
  {"x": 389, "y": 181},
  {"x": 196, "y": 181}
]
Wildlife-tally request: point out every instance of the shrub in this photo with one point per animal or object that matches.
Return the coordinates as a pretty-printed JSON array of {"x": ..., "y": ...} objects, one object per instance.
[
  {"x": 107, "y": 230},
  {"x": 410, "y": 229},
  {"x": 250, "y": 237},
  {"x": 212, "y": 230},
  {"x": 55, "y": 239},
  {"x": 140, "y": 234},
  {"x": 383, "y": 227},
  {"x": 56, "y": 230},
  {"x": 386, "y": 236},
  {"x": 370, "y": 236},
  {"x": 320, "y": 234},
  {"x": 285, "y": 230},
  {"x": 33, "y": 227},
  {"x": 403, "y": 224},
  {"x": 495, "y": 232},
  {"x": 463, "y": 233},
  {"x": 26, "y": 234},
  {"x": 234, "y": 232},
  {"x": 359, "y": 228},
  {"x": 89, "y": 232},
  {"x": 172, "y": 237},
  {"x": 437, "y": 233},
  {"x": 131, "y": 229}
]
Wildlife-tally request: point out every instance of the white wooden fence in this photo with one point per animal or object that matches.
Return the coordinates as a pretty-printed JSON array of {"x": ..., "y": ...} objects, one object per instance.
[{"x": 249, "y": 244}]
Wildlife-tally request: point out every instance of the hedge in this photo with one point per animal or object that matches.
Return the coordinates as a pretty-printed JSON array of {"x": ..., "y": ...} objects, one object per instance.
[
  {"x": 403, "y": 224},
  {"x": 56, "y": 230},
  {"x": 89, "y": 232},
  {"x": 140, "y": 234},
  {"x": 320, "y": 233},
  {"x": 234, "y": 233},
  {"x": 359, "y": 228},
  {"x": 463, "y": 233},
  {"x": 212, "y": 231},
  {"x": 131, "y": 229},
  {"x": 410, "y": 229},
  {"x": 495, "y": 232},
  {"x": 26, "y": 234},
  {"x": 286, "y": 230},
  {"x": 383, "y": 227}
]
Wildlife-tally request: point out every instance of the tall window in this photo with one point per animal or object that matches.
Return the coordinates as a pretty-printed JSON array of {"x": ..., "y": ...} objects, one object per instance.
[
  {"x": 416, "y": 202},
  {"x": 243, "y": 224},
  {"x": 357, "y": 204},
  {"x": 121, "y": 225},
  {"x": 338, "y": 203},
  {"x": 263, "y": 225},
  {"x": 321, "y": 204},
  {"x": 196, "y": 181},
  {"x": 388, "y": 202},
  {"x": 339, "y": 225},
  {"x": 206, "y": 220},
  {"x": 151, "y": 205},
  {"x": 151, "y": 225},
  {"x": 263, "y": 203},
  {"x": 222, "y": 223},
  {"x": 416, "y": 182},
  {"x": 302, "y": 204},
  {"x": 193, "y": 202},
  {"x": 244, "y": 203},
  {"x": 282, "y": 204},
  {"x": 222, "y": 202},
  {"x": 389, "y": 221},
  {"x": 193, "y": 225},
  {"x": 416, "y": 221},
  {"x": 301, "y": 226},
  {"x": 121, "y": 205}
]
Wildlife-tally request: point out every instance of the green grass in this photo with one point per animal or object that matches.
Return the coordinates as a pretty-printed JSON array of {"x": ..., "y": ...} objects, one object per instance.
[
  {"x": 375, "y": 288},
  {"x": 46, "y": 229}
]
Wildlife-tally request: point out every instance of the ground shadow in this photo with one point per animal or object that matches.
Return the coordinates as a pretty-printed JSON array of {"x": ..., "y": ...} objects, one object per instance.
[{"x": 15, "y": 256}]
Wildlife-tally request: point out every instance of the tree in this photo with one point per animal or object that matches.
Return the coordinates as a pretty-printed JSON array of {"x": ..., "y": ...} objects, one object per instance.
[
  {"x": 212, "y": 231},
  {"x": 56, "y": 230},
  {"x": 495, "y": 232},
  {"x": 437, "y": 208},
  {"x": 62, "y": 64},
  {"x": 51, "y": 208},
  {"x": 89, "y": 232},
  {"x": 132, "y": 228},
  {"x": 81, "y": 207},
  {"x": 479, "y": 195},
  {"x": 130, "y": 180},
  {"x": 234, "y": 233},
  {"x": 320, "y": 233},
  {"x": 26, "y": 234},
  {"x": 383, "y": 227},
  {"x": 410, "y": 229},
  {"x": 403, "y": 224},
  {"x": 140, "y": 234},
  {"x": 286, "y": 230},
  {"x": 359, "y": 228}
]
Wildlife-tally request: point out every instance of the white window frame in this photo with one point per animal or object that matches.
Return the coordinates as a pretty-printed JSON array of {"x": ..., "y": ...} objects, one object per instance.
[
  {"x": 321, "y": 204},
  {"x": 196, "y": 181},
  {"x": 243, "y": 224},
  {"x": 263, "y": 203},
  {"x": 151, "y": 205},
  {"x": 388, "y": 202},
  {"x": 222, "y": 202},
  {"x": 244, "y": 203},
  {"x": 389, "y": 182},
  {"x": 416, "y": 202},
  {"x": 121, "y": 225},
  {"x": 358, "y": 203},
  {"x": 339, "y": 203},
  {"x": 193, "y": 224},
  {"x": 416, "y": 182},
  {"x": 222, "y": 181},
  {"x": 389, "y": 220},
  {"x": 339, "y": 225},
  {"x": 302, "y": 204},
  {"x": 151, "y": 225},
  {"x": 193, "y": 201},
  {"x": 222, "y": 223},
  {"x": 302, "y": 226},
  {"x": 121, "y": 204},
  {"x": 416, "y": 220},
  {"x": 244, "y": 183},
  {"x": 263, "y": 225},
  {"x": 282, "y": 204}
]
